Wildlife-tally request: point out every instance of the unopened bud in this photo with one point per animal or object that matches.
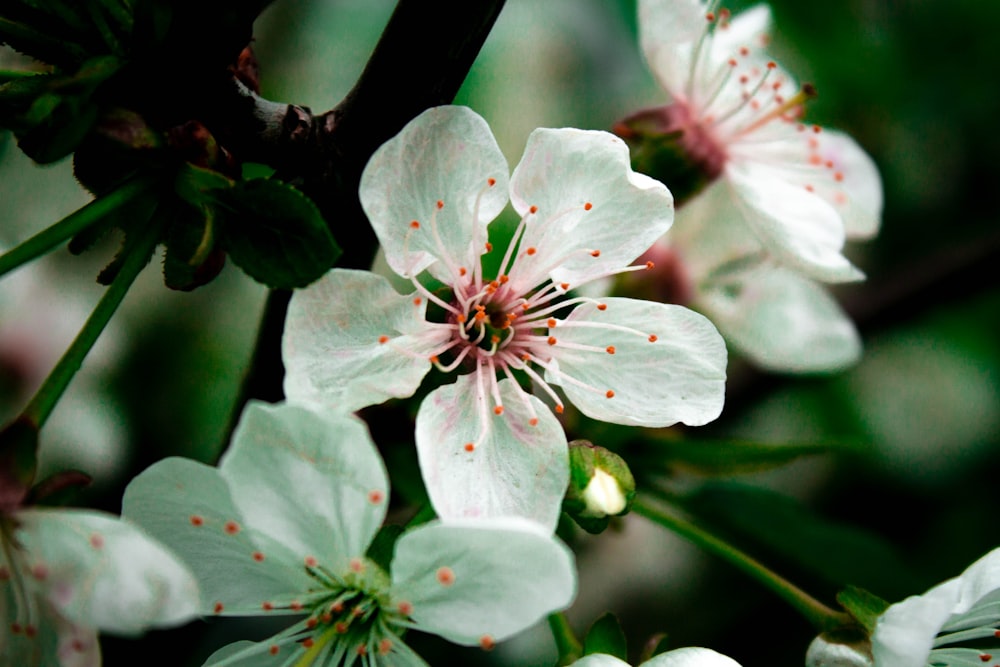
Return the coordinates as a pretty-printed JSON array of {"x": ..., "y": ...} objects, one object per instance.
[
  {"x": 833, "y": 650},
  {"x": 601, "y": 485}
]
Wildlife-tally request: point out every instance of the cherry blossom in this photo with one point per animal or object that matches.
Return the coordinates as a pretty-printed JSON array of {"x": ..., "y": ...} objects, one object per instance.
[
  {"x": 487, "y": 446},
  {"x": 285, "y": 526}
]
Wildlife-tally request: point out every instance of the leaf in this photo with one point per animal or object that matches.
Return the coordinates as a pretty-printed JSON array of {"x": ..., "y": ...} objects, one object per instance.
[
  {"x": 728, "y": 457},
  {"x": 865, "y": 607},
  {"x": 192, "y": 258},
  {"x": 606, "y": 636},
  {"x": 275, "y": 233},
  {"x": 838, "y": 553}
]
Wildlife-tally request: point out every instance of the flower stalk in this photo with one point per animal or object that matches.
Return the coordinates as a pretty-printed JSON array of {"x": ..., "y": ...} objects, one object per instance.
[{"x": 817, "y": 613}]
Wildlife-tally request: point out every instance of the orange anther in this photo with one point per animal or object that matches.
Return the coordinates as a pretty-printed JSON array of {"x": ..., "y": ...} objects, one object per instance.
[
  {"x": 414, "y": 224},
  {"x": 533, "y": 209},
  {"x": 491, "y": 182},
  {"x": 551, "y": 322},
  {"x": 531, "y": 251},
  {"x": 383, "y": 339},
  {"x": 609, "y": 394},
  {"x": 653, "y": 338},
  {"x": 440, "y": 204},
  {"x": 498, "y": 410},
  {"x": 533, "y": 421},
  {"x": 595, "y": 253},
  {"x": 588, "y": 206},
  {"x": 602, "y": 306},
  {"x": 551, "y": 340},
  {"x": 559, "y": 408},
  {"x": 417, "y": 301},
  {"x": 470, "y": 447},
  {"x": 611, "y": 349}
]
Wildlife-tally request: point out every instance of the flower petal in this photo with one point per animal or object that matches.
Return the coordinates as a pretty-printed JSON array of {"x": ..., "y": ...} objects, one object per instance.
[
  {"x": 800, "y": 228},
  {"x": 446, "y": 154},
  {"x": 332, "y": 346},
  {"x": 904, "y": 633},
  {"x": 188, "y": 505},
  {"x": 668, "y": 367},
  {"x": 782, "y": 321},
  {"x": 691, "y": 656},
  {"x": 588, "y": 199},
  {"x": 514, "y": 468},
  {"x": 311, "y": 481},
  {"x": 100, "y": 571},
  {"x": 668, "y": 30},
  {"x": 599, "y": 660},
  {"x": 856, "y": 190},
  {"x": 477, "y": 581}
]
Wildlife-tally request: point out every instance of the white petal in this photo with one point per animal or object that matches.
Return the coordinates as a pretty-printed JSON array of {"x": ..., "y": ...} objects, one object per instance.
[
  {"x": 800, "y": 228},
  {"x": 103, "y": 572},
  {"x": 782, "y": 321},
  {"x": 678, "y": 378},
  {"x": 311, "y": 481},
  {"x": 445, "y": 154},
  {"x": 563, "y": 171},
  {"x": 480, "y": 578},
  {"x": 331, "y": 346},
  {"x": 188, "y": 505},
  {"x": 668, "y": 30},
  {"x": 904, "y": 634},
  {"x": 599, "y": 660},
  {"x": 515, "y": 468},
  {"x": 691, "y": 656},
  {"x": 858, "y": 196}
]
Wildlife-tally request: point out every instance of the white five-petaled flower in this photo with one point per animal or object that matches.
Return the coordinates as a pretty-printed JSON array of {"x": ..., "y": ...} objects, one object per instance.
[
  {"x": 486, "y": 446},
  {"x": 682, "y": 657},
  {"x": 799, "y": 189},
  {"x": 65, "y": 574},
  {"x": 284, "y": 526}
]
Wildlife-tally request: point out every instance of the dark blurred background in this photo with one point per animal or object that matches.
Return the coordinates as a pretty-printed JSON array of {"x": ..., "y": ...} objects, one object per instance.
[{"x": 916, "y": 423}]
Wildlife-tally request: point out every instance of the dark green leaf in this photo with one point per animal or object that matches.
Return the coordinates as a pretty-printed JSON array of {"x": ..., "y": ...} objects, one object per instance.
[
  {"x": 275, "y": 233},
  {"x": 779, "y": 525},
  {"x": 192, "y": 258},
  {"x": 865, "y": 607},
  {"x": 606, "y": 636},
  {"x": 727, "y": 457}
]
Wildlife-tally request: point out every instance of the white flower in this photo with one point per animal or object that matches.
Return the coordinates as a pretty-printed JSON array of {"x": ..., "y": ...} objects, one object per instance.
[
  {"x": 777, "y": 318},
  {"x": 799, "y": 189},
  {"x": 681, "y": 657},
  {"x": 923, "y": 630},
  {"x": 65, "y": 574},
  {"x": 486, "y": 446},
  {"x": 284, "y": 525}
]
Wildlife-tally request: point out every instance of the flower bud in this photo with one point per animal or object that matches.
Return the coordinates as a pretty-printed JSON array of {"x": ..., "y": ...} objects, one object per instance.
[
  {"x": 839, "y": 650},
  {"x": 601, "y": 486}
]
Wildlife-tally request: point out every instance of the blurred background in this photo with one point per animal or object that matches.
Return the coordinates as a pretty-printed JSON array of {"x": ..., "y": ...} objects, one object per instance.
[{"x": 915, "y": 426}]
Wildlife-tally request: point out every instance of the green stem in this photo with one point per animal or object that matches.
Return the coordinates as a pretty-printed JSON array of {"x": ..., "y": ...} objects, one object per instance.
[
  {"x": 570, "y": 648},
  {"x": 55, "y": 384},
  {"x": 817, "y": 613},
  {"x": 47, "y": 239}
]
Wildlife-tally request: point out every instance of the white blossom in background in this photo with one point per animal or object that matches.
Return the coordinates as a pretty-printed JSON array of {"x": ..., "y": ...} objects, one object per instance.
[
  {"x": 283, "y": 527},
  {"x": 799, "y": 190},
  {"x": 66, "y": 574},
  {"x": 681, "y": 657},
  {"x": 772, "y": 315},
  {"x": 487, "y": 447}
]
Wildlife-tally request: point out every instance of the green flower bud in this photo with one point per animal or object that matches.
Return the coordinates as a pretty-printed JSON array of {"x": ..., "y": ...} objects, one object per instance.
[{"x": 601, "y": 486}]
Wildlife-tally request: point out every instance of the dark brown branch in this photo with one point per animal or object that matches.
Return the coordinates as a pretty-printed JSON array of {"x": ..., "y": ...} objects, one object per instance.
[{"x": 420, "y": 61}]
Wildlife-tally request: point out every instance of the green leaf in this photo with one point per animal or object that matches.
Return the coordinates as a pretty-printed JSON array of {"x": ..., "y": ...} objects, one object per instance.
[
  {"x": 865, "y": 607},
  {"x": 606, "y": 636},
  {"x": 275, "y": 233},
  {"x": 783, "y": 528},
  {"x": 192, "y": 258},
  {"x": 729, "y": 457}
]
